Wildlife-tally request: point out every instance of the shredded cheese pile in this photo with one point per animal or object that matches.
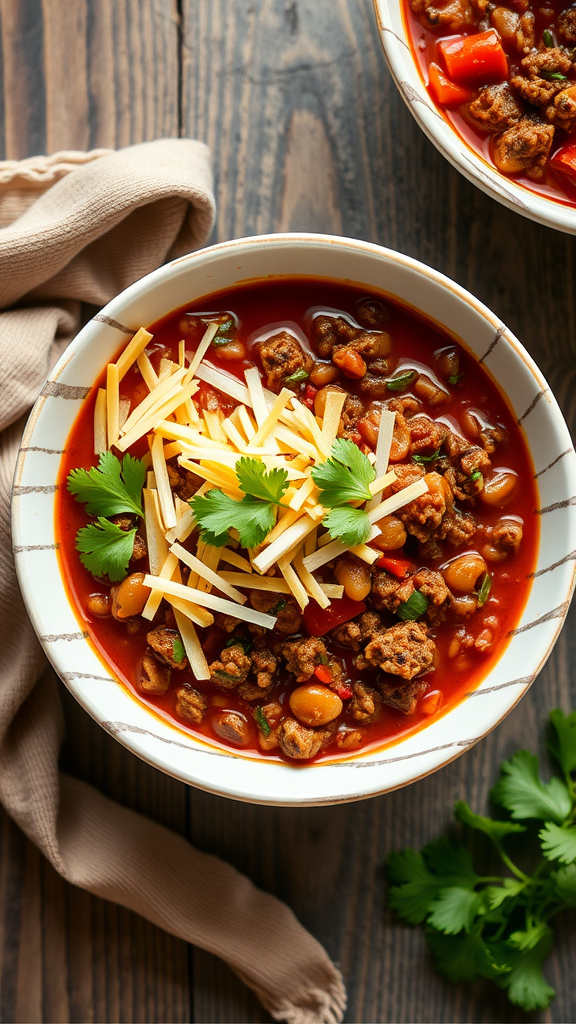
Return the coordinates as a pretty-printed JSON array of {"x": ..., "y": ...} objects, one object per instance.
[{"x": 277, "y": 429}]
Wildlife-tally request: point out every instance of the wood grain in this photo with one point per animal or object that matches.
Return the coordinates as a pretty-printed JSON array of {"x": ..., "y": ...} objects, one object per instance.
[{"x": 307, "y": 132}]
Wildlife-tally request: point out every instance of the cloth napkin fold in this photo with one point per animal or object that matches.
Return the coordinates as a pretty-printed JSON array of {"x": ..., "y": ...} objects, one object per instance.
[{"x": 81, "y": 227}]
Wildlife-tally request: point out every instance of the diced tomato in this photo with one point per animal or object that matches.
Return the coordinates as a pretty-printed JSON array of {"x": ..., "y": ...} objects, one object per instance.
[
  {"x": 430, "y": 701},
  {"x": 319, "y": 621},
  {"x": 342, "y": 689},
  {"x": 323, "y": 673},
  {"x": 309, "y": 396},
  {"x": 397, "y": 566},
  {"x": 445, "y": 92},
  {"x": 565, "y": 161},
  {"x": 474, "y": 58}
]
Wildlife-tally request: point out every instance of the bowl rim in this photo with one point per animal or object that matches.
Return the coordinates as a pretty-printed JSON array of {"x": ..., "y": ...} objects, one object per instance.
[
  {"x": 141, "y": 740},
  {"x": 546, "y": 211}
]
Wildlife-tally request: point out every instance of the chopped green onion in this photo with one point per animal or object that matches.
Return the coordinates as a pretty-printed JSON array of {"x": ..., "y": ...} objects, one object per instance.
[
  {"x": 476, "y": 475},
  {"x": 404, "y": 380},
  {"x": 217, "y": 342},
  {"x": 226, "y": 326},
  {"x": 226, "y": 677},
  {"x": 426, "y": 458},
  {"x": 553, "y": 76},
  {"x": 485, "y": 588},
  {"x": 261, "y": 721},
  {"x": 240, "y": 641},
  {"x": 324, "y": 660},
  {"x": 277, "y": 608},
  {"x": 455, "y": 378},
  {"x": 413, "y": 608},
  {"x": 178, "y": 651},
  {"x": 547, "y": 38},
  {"x": 297, "y": 376}
]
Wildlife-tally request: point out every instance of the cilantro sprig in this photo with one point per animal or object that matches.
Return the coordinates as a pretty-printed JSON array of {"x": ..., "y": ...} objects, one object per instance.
[
  {"x": 109, "y": 489},
  {"x": 253, "y": 516},
  {"x": 498, "y": 926},
  {"x": 344, "y": 477}
]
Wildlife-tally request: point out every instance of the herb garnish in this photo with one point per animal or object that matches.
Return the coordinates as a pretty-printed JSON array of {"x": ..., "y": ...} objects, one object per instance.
[
  {"x": 297, "y": 376},
  {"x": 253, "y": 516},
  {"x": 455, "y": 378},
  {"x": 178, "y": 650},
  {"x": 413, "y": 608},
  {"x": 345, "y": 477},
  {"x": 111, "y": 488},
  {"x": 497, "y": 926},
  {"x": 485, "y": 588},
  {"x": 475, "y": 476},
  {"x": 261, "y": 720},
  {"x": 426, "y": 458},
  {"x": 553, "y": 76},
  {"x": 403, "y": 381},
  {"x": 547, "y": 38},
  {"x": 240, "y": 641}
]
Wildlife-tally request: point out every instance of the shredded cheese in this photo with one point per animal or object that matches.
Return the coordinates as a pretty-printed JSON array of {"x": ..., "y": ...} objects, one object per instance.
[
  {"x": 209, "y": 335},
  {"x": 163, "y": 483},
  {"x": 218, "y": 604},
  {"x": 132, "y": 351},
  {"x": 112, "y": 404},
  {"x": 207, "y": 574},
  {"x": 383, "y": 446},
  {"x": 192, "y": 646},
  {"x": 100, "y": 437}
]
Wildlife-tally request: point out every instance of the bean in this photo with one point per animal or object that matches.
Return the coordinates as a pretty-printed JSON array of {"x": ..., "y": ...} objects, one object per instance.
[
  {"x": 499, "y": 488},
  {"x": 233, "y": 350},
  {"x": 448, "y": 362},
  {"x": 492, "y": 554},
  {"x": 392, "y": 534},
  {"x": 429, "y": 391},
  {"x": 99, "y": 604},
  {"x": 322, "y": 374},
  {"x": 470, "y": 424},
  {"x": 350, "y": 362},
  {"x": 454, "y": 648},
  {"x": 371, "y": 313},
  {"x": 400, "y": 444},
  {"x": 313, "y": 704},
  {"x": 484, "y": 640},
  {"x": 382, "y": 344},
  {"x": 355, "y": 578},
  {"x": 130, "y": 596},
  {"x": 506, "y": 23},
  {"x": 154, "y": 678},
  {"x": 368, "y": 430},
  {"x": 463, "y": 572},
  {"x": 348, "y": 739},
  {"x": 320, "y": 400},
  {"x": 232, "y": 727}
]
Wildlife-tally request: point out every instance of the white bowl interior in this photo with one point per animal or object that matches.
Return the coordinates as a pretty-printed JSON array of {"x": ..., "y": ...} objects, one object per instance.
[
  {"x": 150, "y": 737},
  {"x": 406, "y": 74}
]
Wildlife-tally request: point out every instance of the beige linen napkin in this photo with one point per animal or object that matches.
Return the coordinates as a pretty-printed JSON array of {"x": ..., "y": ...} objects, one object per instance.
[{"x": 80, "y": 227}]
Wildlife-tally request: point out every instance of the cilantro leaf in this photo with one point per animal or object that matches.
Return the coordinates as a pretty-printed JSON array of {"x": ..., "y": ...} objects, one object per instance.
[
  {"x": 255, "y": 481},
  {"x": 347, "y": 524},
  {"x": 105, "y": 549},
  {"x": 521, "y": 791},
  {"x": 454, "y": 909},
  {"x": 464, "y": 957},
  {"x": 496, "y": 894},
  {"x": 558, "y": 843},
  {"x": 530, "y": 937},
  {"x": 415, "y": 888},
  {"x": 450, "y": 861},
  {"x": 345, "y": 476},
  {"x": 562, "y": 743},
  {"x": 525, "y": 984},
  {"x": 565, "y": 882},
  {"x": 495, "y": 830},
  {"x": 216, "y": 513},
  {"x": 112, "y": 487}
]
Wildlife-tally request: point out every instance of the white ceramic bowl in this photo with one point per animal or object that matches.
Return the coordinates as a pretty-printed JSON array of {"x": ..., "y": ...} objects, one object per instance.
[
  {"x": 232, "y": 773},
  {"x": 406, "y": 74}
]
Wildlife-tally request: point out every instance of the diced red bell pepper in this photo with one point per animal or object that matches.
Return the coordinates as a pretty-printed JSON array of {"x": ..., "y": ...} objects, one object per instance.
[
  {"x": 445, "y": 92},
  {"x": 342, "y": 689},
  {"x": 319, "y": 621},
  {"x": 399, "y": 567},
  {"x": 309, "y": 396},
  {"x": 323, "y": 673},
  {"x": 565, "y": 161},
  {"x": 474, "y": 58}
]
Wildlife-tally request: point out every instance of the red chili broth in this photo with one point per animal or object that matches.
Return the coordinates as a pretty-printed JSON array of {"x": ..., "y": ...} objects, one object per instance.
[
  {"x": 424, "y": 43},
  {"x": 258, "y": 306}
]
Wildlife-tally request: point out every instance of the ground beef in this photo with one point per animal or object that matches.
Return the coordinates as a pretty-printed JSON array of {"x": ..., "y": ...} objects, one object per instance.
[
  {"x": 453, "y": 16},
  {"x": 352, "y": 411},
  {"x": 330, "y": 331},
  {"x": 423, "y": 515},
  {"x": 167, "y": 646},
  {"x": 349, "y": 739},
  {"x": 531, "y": 86},
  {"x": 515, "y": 30},
  {"x": 302, "y": 656},
  {"x": 231, "y": 668},
  {"x": 431, "y": 584},
  {"x": 154, "y": 678},
  {"x": 227, "y": 623},
  {"x": 373, "y": 385},
  {"x": 281, "y": 356},
  {"x": 299, "y": 742},
  {"x": 404, "y": 696},
  {"x": 404, "y": 650},
  {"x": 426, "y": 435},
  {"x": 183, "y": 483},
  {"x": 250, "y": 690},
  {"x": 358, "y": 631},
  {"x": 388, "y": 592},
  {"x": 288, "y": 614},
  {"x": 495, "y": 108},
  {"x": 567, "y": 26},
  {"x": 190, "y": 703},
  {"x": 264, "y": 666},
  {"x": 127, "y": 523},
  {"x": 232, "y": 727},
  {"x": 457, "y": 528},
  {"x": 507, "y": 536},
  {"x": 365, "y": 704},
  {"x": 562, "y": 112},
  {"x": 491, "y": 437}
]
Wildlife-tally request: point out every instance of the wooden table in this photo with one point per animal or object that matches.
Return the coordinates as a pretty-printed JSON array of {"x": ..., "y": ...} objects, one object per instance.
[{"x": 308, "y": 132}]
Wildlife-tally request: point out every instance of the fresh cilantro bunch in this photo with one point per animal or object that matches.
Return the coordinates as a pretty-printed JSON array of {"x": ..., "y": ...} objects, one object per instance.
[
  {"x": 343, "y": 478},
  {"x": 111, "y": 488},
  {"x": 498, "y": 926},
  {"x": 253, "y": 517}
]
